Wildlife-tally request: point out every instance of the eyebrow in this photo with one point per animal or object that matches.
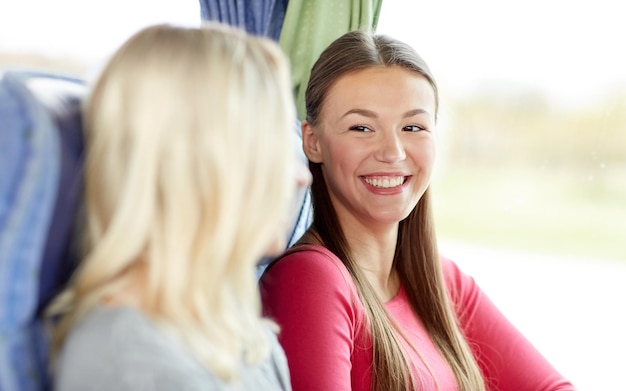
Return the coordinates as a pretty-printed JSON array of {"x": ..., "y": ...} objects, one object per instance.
[{"x": 371, "y": 114}]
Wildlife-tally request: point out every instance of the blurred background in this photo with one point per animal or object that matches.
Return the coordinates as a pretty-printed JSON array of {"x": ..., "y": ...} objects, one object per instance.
[
  {"x": 530, "y": 189},
  {"x": 533, "y": 120},
  {"x": 530, "y": 192}
]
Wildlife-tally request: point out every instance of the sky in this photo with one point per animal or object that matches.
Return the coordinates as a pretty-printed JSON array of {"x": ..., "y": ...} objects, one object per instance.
[
  {"x": 87, "y": 29},
  {"x": 572, "y": 51}
]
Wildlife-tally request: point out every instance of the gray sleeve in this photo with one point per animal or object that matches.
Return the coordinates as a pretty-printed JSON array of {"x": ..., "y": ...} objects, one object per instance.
[
  {"x": 146, "y": 375},
  {"x": 119, "y": 349},
  {"x": 279, "y": 361}
]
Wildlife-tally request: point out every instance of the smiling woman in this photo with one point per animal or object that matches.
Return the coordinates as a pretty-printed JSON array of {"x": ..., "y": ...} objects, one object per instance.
[
  {"x": 353, "y": 127},
  {"x": 371, "y": 304}
]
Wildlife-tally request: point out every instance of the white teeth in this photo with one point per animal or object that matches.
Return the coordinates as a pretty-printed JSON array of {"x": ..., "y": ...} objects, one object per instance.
[{"x": 385, "y": 182}]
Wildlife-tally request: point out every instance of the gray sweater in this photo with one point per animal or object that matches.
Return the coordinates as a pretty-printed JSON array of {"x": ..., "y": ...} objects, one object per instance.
[{"x": 120, "y": 349}]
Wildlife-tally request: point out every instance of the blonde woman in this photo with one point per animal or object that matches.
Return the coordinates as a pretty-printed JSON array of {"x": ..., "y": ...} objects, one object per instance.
[{"x": 189, "y": 175}]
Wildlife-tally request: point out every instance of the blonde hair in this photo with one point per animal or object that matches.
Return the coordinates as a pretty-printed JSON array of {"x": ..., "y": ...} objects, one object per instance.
[{"x": 188, "y": 175}]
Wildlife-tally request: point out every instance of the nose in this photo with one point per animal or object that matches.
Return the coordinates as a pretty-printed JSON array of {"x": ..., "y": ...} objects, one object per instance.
[{"x": 390, "y": 148}]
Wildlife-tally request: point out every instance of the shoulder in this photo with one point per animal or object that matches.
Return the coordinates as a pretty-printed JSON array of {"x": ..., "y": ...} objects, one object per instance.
[
  {"x": 306, "y": 282},
  {"x": 467, "y": 297},
  {"x": 451, "y": 272},
  {"x": 119, "y": 348},
  {"x": 461, "y": 287},
  {"x": 110, "y": 330},
  {"x": 308, "y": 263}
]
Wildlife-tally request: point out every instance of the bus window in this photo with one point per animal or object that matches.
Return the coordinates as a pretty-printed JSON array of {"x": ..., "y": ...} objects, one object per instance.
[{"x": 531, "y": 188}]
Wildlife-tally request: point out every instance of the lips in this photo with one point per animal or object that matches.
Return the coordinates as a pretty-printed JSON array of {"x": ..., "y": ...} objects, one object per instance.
[{"x": 385, "y": 182}]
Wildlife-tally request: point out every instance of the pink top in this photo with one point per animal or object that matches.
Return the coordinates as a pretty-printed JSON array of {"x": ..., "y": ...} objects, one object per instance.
[{"x": 311, "y": 295}]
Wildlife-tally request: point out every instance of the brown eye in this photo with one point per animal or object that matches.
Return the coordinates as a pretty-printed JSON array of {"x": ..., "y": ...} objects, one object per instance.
[
  {"x": 360, "y": 128},
  {"x": 413, "y": 128}
]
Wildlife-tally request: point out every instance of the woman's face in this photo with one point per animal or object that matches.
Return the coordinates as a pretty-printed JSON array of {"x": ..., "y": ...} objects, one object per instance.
[{"x": 375, "y": 141}]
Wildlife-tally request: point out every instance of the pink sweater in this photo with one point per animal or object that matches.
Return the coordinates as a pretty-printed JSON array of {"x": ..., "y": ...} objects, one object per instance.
[{"x": 310, "y": 294}]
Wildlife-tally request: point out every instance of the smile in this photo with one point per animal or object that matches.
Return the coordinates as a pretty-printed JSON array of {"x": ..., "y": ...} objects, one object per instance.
[{"x": 385, "y": 182}]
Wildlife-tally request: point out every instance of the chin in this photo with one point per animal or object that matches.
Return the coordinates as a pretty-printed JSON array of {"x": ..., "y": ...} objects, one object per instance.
[{"x": 391, "y": 217}]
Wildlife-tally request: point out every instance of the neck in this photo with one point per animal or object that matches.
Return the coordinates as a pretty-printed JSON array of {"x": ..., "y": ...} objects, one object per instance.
[
  {"x": 374, "y": 255},
  {"x": 372, "y": 247}
]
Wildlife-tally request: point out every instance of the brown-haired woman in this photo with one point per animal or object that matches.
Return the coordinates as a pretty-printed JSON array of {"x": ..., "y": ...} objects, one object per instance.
[{"x": 365, "y": 302}]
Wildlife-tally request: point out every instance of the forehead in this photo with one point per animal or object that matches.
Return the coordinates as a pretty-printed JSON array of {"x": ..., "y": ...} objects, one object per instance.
[{"x": 381, "y": 87}]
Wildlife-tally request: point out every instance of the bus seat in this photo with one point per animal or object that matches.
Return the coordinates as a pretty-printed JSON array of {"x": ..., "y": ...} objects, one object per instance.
[
  {"x": 41, "y": 153},
  {"x": 303, "y": 213},
  {"x": 41, "y": 167}
]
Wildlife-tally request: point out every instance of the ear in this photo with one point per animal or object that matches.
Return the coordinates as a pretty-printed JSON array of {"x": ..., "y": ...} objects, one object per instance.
[{"x": 310, "y": 143}]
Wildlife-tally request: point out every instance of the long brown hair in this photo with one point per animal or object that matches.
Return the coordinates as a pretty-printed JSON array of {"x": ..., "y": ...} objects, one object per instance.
[{"x": 416, "y": 258}]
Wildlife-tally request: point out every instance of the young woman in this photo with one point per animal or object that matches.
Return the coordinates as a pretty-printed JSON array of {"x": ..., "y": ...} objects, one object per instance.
[
  {"x": 189, "y": 177},
  {"x": 364, "y": 301}
]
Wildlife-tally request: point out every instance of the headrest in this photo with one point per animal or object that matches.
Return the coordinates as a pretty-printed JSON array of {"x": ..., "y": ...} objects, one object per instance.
[
  {"x": 40, "y": 163},
  {"x": 62, "y": 99},
  {"x": 42, "y": 174}
]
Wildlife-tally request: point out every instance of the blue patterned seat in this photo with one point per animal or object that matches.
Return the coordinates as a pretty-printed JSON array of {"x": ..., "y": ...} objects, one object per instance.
[
  {"x": 41, "y": 149},
  {"x": 41, "y": 167}
]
